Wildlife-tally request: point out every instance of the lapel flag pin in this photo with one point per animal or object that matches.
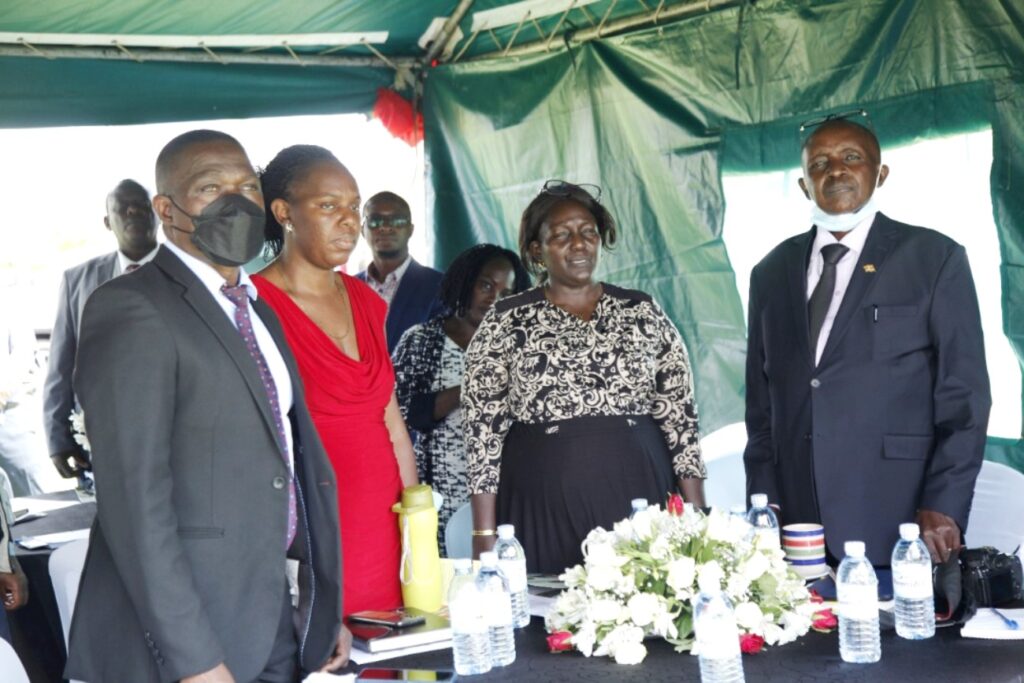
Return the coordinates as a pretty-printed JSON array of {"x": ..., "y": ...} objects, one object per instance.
[{"x": 869, "y": 267}]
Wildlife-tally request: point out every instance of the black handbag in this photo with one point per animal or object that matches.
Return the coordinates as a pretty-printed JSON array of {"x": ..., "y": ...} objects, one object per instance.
[{"x": 973, "y": 578}]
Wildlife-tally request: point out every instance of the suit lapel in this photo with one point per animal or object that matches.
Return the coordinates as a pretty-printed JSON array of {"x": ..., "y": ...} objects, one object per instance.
[
  {"x": 796, "y": 274},
  {"x": 878, "y": 245},
  {"x": 198, "y": 297}
]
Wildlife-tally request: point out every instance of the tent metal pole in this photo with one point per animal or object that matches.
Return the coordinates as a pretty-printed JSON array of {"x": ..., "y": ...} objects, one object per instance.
[
  {"x": 441, "y": 42},
  {"x": 225, "y": 58},
  {"x": 650, "y": 17}
]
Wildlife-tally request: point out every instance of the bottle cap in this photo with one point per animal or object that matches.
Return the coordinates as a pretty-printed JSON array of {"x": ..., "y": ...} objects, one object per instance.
[
  {"x": 414, "y": 499},
  {"x": 851, "y": 548},
  {"x": 910, "y": 531},
  {"x": 639, "y": 503},
  {"x": 489, "y": 559},
  {"x": 759, "y": 500},
  {"x": 506, "y": 531},
  {"x": 463, "y": 564}
]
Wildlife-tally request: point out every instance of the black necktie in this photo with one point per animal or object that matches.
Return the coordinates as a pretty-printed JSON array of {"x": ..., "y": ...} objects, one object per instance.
[{"x": 821, "y": 297}]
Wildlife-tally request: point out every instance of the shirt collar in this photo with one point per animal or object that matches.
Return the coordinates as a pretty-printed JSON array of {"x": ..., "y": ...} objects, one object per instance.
[
  {"x": 210, "y": 278},
  {"x": 854, "y": 239},
  {"x": 395, "y": 275},
  {"x": 123, "y": 261}
]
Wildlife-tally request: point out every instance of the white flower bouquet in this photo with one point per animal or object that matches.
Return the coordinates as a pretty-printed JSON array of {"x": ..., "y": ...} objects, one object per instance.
[
  {"x": 640, "y": 580},
  {"x": 77, "y": 418}
]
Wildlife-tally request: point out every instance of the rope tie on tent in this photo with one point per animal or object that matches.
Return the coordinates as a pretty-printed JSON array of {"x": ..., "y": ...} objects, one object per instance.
[
  {"x": 33, "y": 48},
  {"x": 212, "y": 54},
  {"x": 128, "y": 52},
  {"x": 380, "y": 55},
  {"x": 292, "y": 53}
]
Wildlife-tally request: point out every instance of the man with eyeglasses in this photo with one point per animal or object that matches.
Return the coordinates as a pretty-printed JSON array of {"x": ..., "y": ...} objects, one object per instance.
[
  {"x": 867, "y": 392},
  {"x": 409, "y": 288}
]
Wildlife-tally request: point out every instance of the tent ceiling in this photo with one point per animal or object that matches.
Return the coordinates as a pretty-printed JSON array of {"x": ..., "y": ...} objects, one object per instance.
[{"x": 38, "y": 40}]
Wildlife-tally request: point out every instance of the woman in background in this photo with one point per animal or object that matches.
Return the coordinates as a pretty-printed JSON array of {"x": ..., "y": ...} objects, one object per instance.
[
  {"x": 335, "y": 327},
  {"x": 429, "y": 364},
  {"x": 578, "y": 394}
]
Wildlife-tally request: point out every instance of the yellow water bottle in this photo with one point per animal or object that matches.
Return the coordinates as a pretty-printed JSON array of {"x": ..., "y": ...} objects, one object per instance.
[{"x": 421, "y": 563}]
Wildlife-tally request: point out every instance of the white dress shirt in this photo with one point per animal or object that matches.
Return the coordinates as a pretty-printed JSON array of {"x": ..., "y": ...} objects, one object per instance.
[
  {"x": 123, "y": 261},
  {"x": 854, "y": 241},
  {"x": 275, "y": 361}
]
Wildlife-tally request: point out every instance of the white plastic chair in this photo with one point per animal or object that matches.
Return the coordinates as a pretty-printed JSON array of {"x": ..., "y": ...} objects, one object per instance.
[
  {"x": 997, "y": 514},
  {"x": 66, "y": 564},
  {"x": 11, "y": 668},
  {"x": 458, "y": 539},
  {"x": 722, "y": 451}
]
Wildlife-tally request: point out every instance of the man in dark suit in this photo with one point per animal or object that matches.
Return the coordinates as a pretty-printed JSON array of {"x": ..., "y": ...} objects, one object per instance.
[
  {"x": 410, "y": 289},
  {"x": 209, "y": 472},
  {"x": 867, "y": 392},
  {"x": 130, "y": 218}
]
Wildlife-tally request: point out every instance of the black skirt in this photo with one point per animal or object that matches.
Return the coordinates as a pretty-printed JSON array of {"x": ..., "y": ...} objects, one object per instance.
[{"x": 560, "y": 480}]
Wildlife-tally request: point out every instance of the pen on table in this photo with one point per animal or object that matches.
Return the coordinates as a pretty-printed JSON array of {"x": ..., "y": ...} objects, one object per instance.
[{"x": 1010, "y": 623}]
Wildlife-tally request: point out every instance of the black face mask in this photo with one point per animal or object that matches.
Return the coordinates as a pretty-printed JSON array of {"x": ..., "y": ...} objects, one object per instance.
[{"x": 229, "y": 230}]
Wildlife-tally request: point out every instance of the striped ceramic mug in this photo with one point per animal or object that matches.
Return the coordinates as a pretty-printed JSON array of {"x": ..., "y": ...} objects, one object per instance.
[{"x": 804, "y": 546}]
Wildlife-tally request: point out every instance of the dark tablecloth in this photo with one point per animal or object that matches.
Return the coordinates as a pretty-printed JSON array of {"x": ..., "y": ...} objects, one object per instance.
[
  {"x": 945, "y": 658},
  {"x": 38, "y": 634}
]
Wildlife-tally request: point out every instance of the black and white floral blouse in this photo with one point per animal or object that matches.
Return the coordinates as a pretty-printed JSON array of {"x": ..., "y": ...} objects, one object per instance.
[{"x": 533, "y": 362}]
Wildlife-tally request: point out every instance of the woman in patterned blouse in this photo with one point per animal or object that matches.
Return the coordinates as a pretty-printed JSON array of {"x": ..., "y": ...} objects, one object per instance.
[
  {"x": 577, "y": 396},
  {"x": 429, "y": 363}
]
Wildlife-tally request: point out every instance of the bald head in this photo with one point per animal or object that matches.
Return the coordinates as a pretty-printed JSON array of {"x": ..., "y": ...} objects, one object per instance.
[
  {"x": 173, "y": 156},
  {"x": 848, "y": 129},
  {"x": 130, "y": 217}
]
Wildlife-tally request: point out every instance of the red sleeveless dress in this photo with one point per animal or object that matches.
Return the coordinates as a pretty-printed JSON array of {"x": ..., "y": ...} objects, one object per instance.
[{"x": 347, "y": 399}]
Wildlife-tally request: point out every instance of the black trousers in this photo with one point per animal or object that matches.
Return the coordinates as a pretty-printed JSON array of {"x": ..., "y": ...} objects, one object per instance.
[{"x": 283, "y": 664}]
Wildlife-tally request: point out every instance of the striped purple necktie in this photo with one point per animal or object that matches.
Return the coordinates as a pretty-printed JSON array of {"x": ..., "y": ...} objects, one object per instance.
[{"x": 239, "y": 296}]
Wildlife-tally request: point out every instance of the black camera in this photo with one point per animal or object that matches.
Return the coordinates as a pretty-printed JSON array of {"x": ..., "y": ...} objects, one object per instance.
[{"x": 991, "y": 577}]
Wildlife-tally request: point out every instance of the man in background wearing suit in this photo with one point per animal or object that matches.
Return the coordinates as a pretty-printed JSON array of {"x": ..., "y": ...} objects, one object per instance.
[
  {"x": 867, "y": 393},
  {"x": 130, "y": 218},
  {"x": 409, "y": 288},
  {"x": 210, "y": 475}
]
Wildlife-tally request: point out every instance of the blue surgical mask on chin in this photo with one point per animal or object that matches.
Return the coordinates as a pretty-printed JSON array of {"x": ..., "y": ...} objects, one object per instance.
[{"x": 843, "y": 222}]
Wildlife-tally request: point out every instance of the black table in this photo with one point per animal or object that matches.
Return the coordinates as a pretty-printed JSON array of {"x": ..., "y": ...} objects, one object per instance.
[
  {"x": 36, "y": 628},
  {"x": 944, "y": 658}
]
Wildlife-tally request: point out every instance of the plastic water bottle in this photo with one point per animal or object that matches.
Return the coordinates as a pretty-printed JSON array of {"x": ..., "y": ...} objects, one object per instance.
[
  {"x": 512, "y": 561},
  {"x": 718, "y": 639},
  {"x": 912, "y": 584},
  {"x": 471, "y": 645},
  {"x": 763, "y": 518},
  {"x": 497, "y": 604},
  {"x": 639, "y": 505},
  {"x": 857, "y": 588}
]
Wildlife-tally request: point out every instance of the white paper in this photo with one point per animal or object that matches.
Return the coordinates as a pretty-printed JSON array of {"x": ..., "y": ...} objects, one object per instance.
[
  {"x": 540, "y": 605},
  {"x": 362, "y": 657},
  {"x": 58, "y": 538},
  {"x": 330, "y": 678},
  {"x": 987, "y": 624},
  {"x": 34, "y": 505}
]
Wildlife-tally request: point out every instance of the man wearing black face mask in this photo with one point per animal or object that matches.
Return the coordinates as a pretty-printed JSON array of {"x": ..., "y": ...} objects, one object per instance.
[{"x": 209, "y": 471}]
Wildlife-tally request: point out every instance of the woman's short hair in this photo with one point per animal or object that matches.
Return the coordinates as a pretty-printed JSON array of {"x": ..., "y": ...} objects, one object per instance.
[
  {"x": 536, "y": 213},
  {"x": 457, "y": 285},
  {"x": 290, "y": 165}
]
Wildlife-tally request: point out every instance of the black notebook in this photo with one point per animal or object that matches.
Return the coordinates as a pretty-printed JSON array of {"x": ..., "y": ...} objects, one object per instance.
[{"x": 373, "y": 639}]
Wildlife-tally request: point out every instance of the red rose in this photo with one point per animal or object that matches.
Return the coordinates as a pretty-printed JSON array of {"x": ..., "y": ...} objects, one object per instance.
[
  {"x": 675, "y": 505},
  {"x": 559, "y": 641},
  {"x": 816, "y": 597},
  {"x": 750, "y": 643},
  {"x": 824, "y": 621}
]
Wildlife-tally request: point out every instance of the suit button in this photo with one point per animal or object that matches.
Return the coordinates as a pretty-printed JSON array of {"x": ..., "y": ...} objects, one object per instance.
[
  {"x": 815, "y": 383},
  {"x": 278, "y": 482}
]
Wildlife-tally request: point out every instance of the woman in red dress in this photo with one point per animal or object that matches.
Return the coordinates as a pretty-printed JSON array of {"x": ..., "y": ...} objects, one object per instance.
[{"x": 335, "y": 326}]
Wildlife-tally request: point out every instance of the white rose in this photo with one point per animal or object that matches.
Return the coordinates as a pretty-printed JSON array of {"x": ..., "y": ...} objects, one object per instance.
[
  {"x": 583, "y": 639},
  {"x": 681, "y": 573},
  {"x": 748, "y": 615},
  {"x": 601, "y": 553},
  {"x": 643, "y": 608},
  {"x": 642, "y": 524},
  {"x": 603, "y": 577},
  {"x": 772, "y": 634},
  {"x": 661, "y": 548},
  {"x": 630, "y": 653},
  {"x": 719, "y": 528},
  {"x": 754, "y": 567},
  {"x": 737, "y": 586},
  {"x": 712, "y": 570},
  {"x": 604, "y": 610},
  {"x": 623, "y": 530}
]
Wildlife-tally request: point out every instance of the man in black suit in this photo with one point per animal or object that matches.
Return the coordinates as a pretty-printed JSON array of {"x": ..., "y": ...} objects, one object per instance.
[
  {"x": 410, "y": 289},
  {"x": 867, "y": 392},
  {"x": 130, "y": 218},
  {"x": 210, "y": 475}
]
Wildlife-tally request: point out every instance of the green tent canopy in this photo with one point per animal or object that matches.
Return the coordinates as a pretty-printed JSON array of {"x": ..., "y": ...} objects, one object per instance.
[{"x": 652, "y": 99}]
